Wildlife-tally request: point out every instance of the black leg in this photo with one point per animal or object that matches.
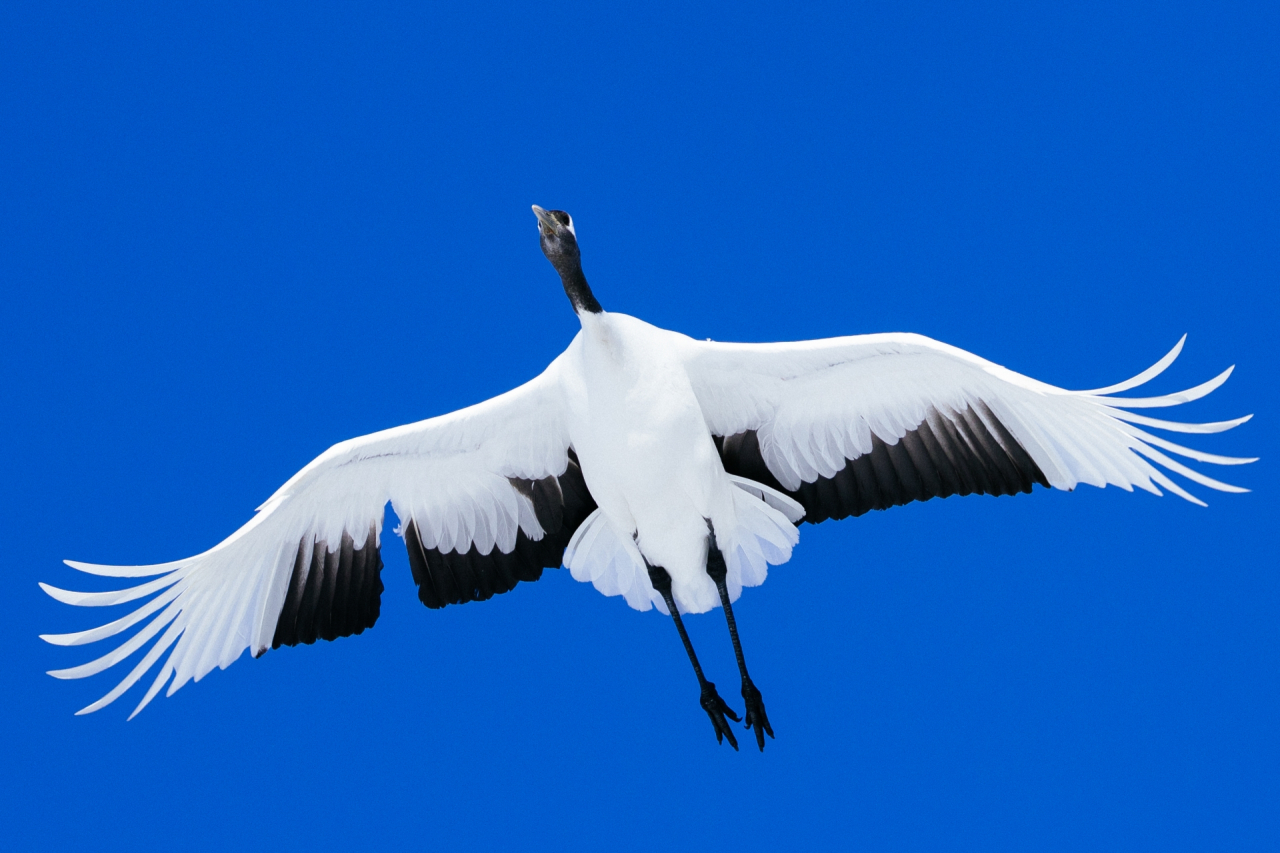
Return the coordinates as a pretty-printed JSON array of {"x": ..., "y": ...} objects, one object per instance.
[
  {"x": 710, "y": 700},
  {"x": 754, "y": 713}
]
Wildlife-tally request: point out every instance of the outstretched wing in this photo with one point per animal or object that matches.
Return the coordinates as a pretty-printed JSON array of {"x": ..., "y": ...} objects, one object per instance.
[
  {"x": 848, "y": 425},
  {"x": 487, "y": 496}
]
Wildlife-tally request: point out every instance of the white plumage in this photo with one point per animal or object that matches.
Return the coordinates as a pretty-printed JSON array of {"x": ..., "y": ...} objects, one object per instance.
[{"x": 647, "y": 415}]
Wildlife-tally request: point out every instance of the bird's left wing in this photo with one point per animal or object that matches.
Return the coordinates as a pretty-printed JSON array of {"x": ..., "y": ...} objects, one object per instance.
[
  {"x": 487, "y": 496},
  {"x": 846, "y": 425}
]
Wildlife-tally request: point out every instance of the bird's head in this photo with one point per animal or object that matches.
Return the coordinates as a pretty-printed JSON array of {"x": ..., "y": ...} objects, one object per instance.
[
  {"x": 559, "y": 242},
  {"x": 560, "y": 245}
]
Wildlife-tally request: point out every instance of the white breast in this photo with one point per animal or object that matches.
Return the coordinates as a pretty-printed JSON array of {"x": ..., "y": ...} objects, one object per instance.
[{"x": 650, "y": 462}]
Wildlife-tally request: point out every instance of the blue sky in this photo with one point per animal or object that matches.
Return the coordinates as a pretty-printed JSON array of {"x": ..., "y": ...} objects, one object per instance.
[{"x": 230, "y": 237}]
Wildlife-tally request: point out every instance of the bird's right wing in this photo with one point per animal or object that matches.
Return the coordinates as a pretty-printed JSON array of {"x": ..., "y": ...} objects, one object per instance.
[
  {"x": 487, "y": 497},
  {"x": 847, "y": 425}
]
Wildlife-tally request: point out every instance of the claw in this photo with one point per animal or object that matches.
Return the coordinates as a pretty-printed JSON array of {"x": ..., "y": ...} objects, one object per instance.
[
  {"x": 754, "y": 712},
  {"x": 717, "y": 710}
]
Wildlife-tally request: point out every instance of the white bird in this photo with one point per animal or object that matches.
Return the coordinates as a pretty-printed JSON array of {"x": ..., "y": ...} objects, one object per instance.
[{"x": 664, "y": 469}]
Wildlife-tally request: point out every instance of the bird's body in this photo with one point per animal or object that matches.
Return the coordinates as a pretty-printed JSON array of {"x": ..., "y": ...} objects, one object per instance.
[
  {"x": 645, "y": 450},
  {"x": 664, "y": 469}
]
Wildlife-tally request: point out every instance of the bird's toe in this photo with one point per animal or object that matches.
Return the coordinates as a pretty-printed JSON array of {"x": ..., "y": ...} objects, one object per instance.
[
  {"x": 717, "y": 710},
  {"x": 754, "y": 712}
]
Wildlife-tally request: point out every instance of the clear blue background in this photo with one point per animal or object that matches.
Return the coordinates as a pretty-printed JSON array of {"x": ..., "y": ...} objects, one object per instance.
[{"x": 230, "y": 237}]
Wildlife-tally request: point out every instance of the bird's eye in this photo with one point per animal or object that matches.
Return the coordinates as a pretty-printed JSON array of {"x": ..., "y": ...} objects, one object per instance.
[{"x": 562, "y": 217}]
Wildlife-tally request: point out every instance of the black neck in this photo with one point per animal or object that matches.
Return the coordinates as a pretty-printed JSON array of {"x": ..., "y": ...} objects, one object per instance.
[{"x": 578, "y": 291}]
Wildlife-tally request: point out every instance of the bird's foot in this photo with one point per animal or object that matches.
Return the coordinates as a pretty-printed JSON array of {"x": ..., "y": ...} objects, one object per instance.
[
  {"x": 717, "y": 710},
  {"x": 754, "y": 712}
]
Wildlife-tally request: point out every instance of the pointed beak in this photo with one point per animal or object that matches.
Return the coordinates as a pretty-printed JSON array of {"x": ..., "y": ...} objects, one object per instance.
[{"x": 545, "y": 219}]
